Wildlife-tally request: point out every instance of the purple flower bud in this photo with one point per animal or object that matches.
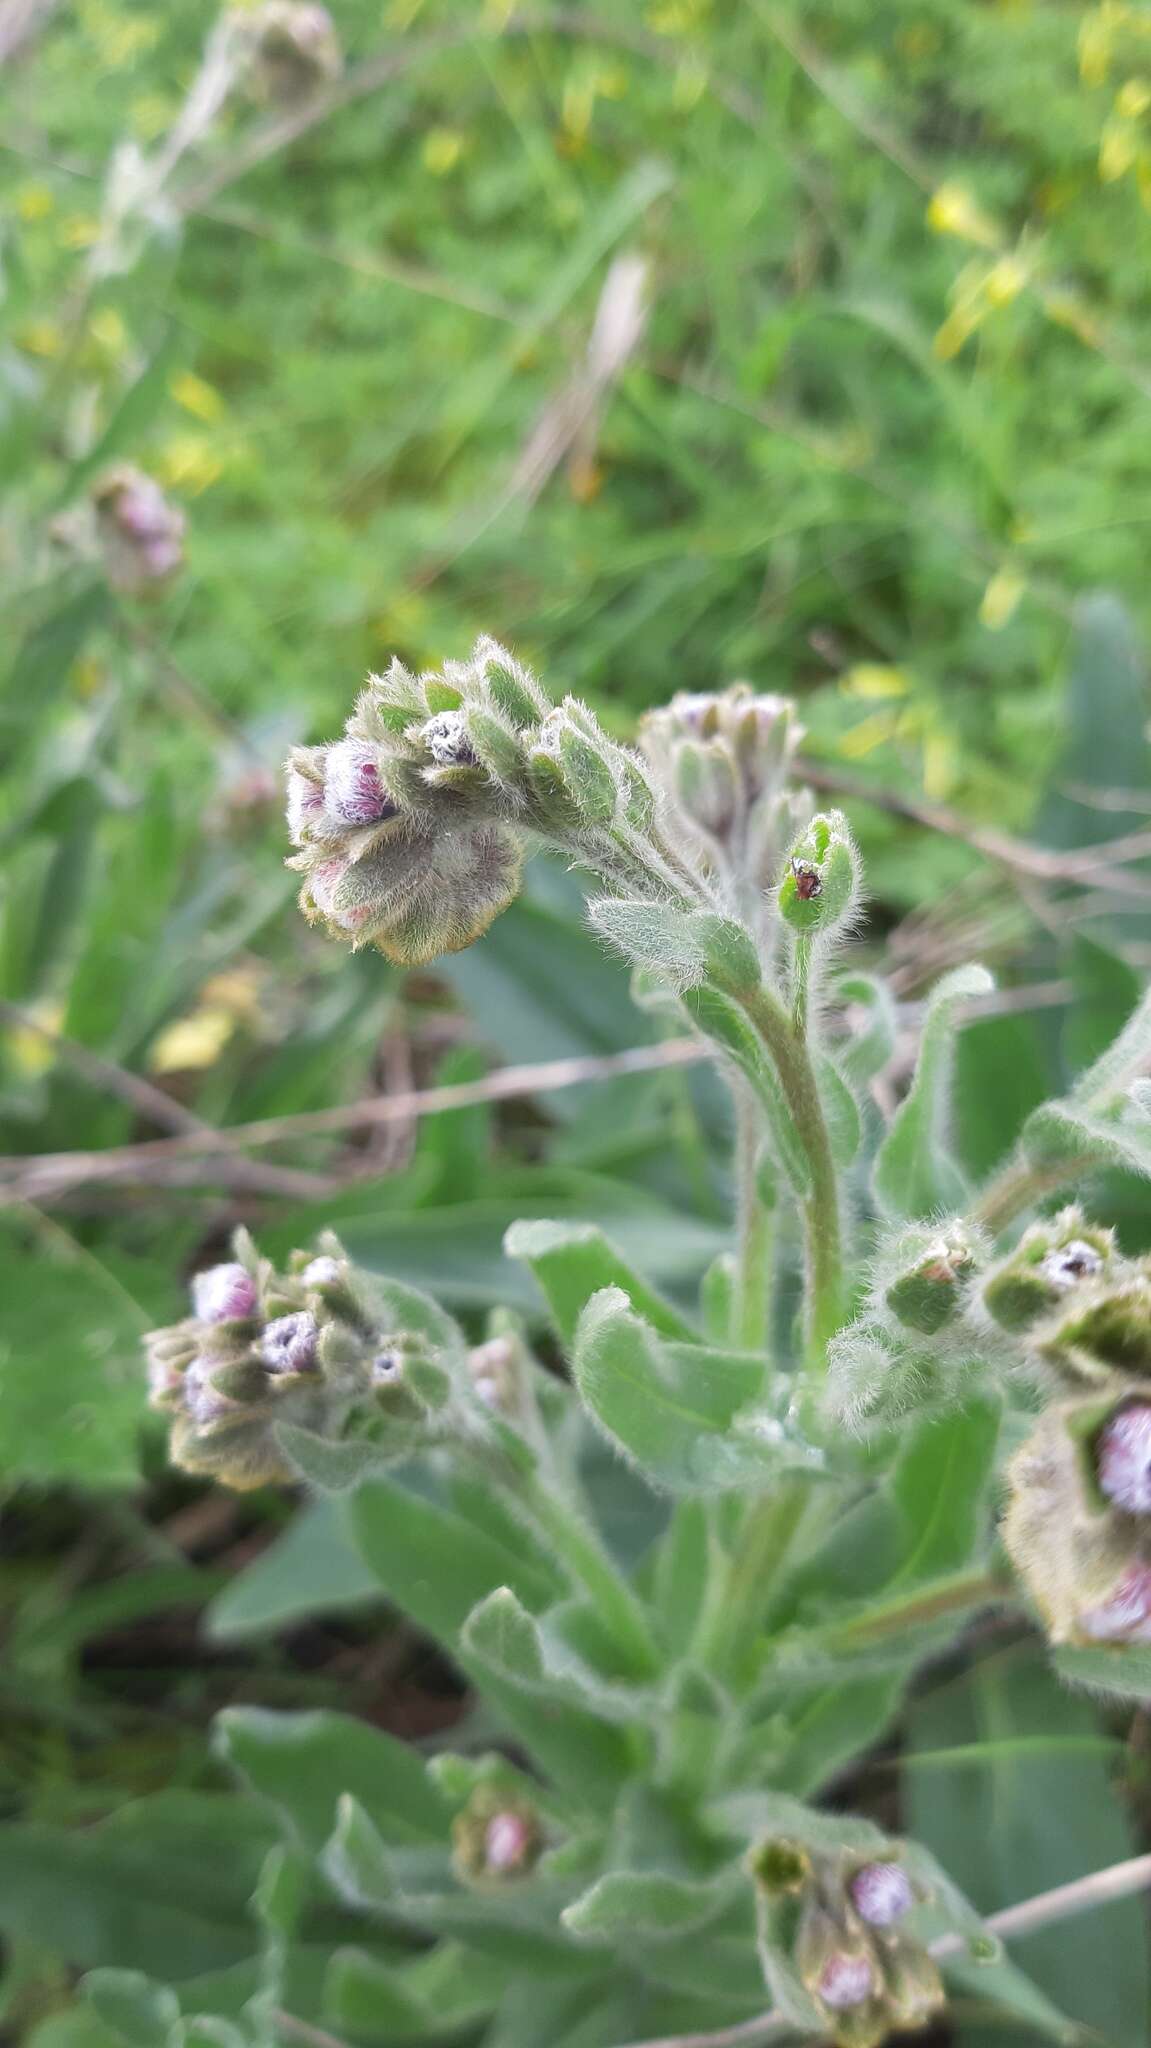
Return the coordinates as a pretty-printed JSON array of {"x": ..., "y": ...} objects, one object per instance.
[
  {"x": 164, "y": 1377},
  {"x": 142, "y": 534},
  {"x": 305, "y": 804},
  {"x": 507, "y": 1843},
  {"x": 845, "y": 1981},
  {"x": 324, "y": 883},
  {"x": 1070, "y": 1263},
  {"x": 201, "y": 1400},
  {"x": 224, "y": 1294},
  {"x": 289, "y": 1343},
  {"x": 881, "y": 1893},
  {"x": 1123, "y": 1458},
  {"x": 446, "y": 738},
  {"x": 353, "y": 791},
  {"x": 322, "y": 1272},
  {"x": 1125, "y": 1616}
]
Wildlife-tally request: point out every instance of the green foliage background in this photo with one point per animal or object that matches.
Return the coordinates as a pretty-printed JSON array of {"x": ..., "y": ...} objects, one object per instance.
[{"x": 882, "y": 442}]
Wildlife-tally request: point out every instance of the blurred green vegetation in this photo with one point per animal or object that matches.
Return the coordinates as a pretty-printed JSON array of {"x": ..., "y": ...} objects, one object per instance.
[{"x": 882, "y": 437}]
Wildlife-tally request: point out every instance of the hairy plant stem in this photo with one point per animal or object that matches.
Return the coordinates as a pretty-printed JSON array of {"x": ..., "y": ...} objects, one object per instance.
[
  {"x": 1019, "y": 1186},
  {"x": 822, "y": 1227},
  {"x": 726, "y": 1639},
  {"x": 752, "y": 1302},
  {"x": 977, "y": 1588}
]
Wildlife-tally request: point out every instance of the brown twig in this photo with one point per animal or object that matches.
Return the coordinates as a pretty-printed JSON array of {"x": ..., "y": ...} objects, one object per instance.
[{"x": 172, "y": 1161}]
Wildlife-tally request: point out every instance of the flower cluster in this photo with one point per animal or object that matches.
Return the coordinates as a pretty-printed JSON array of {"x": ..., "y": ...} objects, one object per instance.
[
  {"x": 140, "y": 532},
  {"x": 497, "y": 1837},
  {"x": 726, "y": 763},
  {"x": 836, "y": 1948},
  {"x": 411, "y": 827},
  {"x": 261, "y": 1348},
  {"x": 1078, "y": 1526}
]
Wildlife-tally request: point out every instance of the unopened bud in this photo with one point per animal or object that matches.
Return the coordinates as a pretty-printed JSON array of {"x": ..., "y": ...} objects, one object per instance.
[
  {"x": 224, "y": 1294},
  {"x": 1066, "y": 1266},
  {"x": 881, "y": 1893},
  {"x": 1123, "y": 1458},
  {"x": 930, "y": 1294},
  {"x": 507, "y": 1842},
  {"x": 1051, "y": 1263},
  {"x": 353, "y": 789},
  {"x": 780, "y": 1866},
  {"x": 447, "y": 740},
  {"x": 846, "y": 1980},
  {"x": 140, "y": 531},
  {"x": 1125, "y": 1615},
  {"x": 497, "y": 1837},
  {"x": 202, "y": 1401},
  {"x": 322, "y": 1272},
  {"x": 289, "y": 1343},
  {"x": 492, "y": 1367},
  {"x": 820, "y": 883}
]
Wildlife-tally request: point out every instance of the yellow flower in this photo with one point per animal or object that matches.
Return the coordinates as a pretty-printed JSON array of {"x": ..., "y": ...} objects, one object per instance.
[
  {"x": 191, "y": 1042},
  {"x": 442, "y": 150},
  {"x": 1001, "y": 597},
  {"x": 1066, "y": 310},
  {"x": 31, "y": 1051},
  {"x": 939, "y": 763},
  {"x": 870, "y": 733},
  {"x": 873, "y": 679},
  {"x": 34, "y": 202},
  {"x": 1005, "y": 280},
  {"x": 196, "y": 397},
  {"x": 108, "y": 331},
  {"x": 1133, "y": 99},
  {"x": 189, "y": 462},
  {"x": 1118, "y": 149},
  {"x": 79, "y": 231},
  {"x": 1094, "y": 48},
  {"x": 956, "y": 330},
  {"x": 953, "y": 210},
  {"x": 39, "y": 338}
]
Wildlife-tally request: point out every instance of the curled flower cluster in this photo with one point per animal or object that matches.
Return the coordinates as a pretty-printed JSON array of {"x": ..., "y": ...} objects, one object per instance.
[
  {"x": 410, "y": 828},
  {"x": 836, "y": 1949},
  {"x": 141, "y": 533},
  {"x": 262, "y": 1348},
  {"x": 1078, "y": 1523},
  {"x": 726, "y": 762}
]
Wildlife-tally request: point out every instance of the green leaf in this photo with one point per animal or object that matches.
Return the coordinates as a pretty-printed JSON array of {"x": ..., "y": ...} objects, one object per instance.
[
  {"x": 625, "y": 1905},
  {"x": 1116, "y": 1671},
  {"x": 1026, "y": 1823},
  {"x": 655, "y": 936},
  {"x": 872, "y": 1042},
  {"x": 685, "y": 1414},
  {"x": 572, "y": 1261},
  {"x": 914, "y": 1175},
  {"x": 302, "y": 1763},
  {"x": 940, "y": 1488},
  {"x": 444, "y": 1991},
  {"x": 502, "y": 1637},
  {"x": 311, "y": 1568},
  {"x": 1103, "y": 723},
  {"x": 72, "y": 1395},
  {"x": 357, "y": 1861},
  {"x": 435, "y": 1565},
  {"x": 133, "y": 2006}
]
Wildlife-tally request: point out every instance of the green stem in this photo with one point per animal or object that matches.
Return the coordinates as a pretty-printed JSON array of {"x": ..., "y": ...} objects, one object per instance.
[
  {"x": 751, "y": 1317},
  {"x": 1020, "y": 1185},
  {"x": 730, "y": 1624},
  {"x": 582, "y": 1555},
  {"x": 978, "y": 1588},
  {"x": 822, "y": 1226},
  {"x": 801, "y": 986}
]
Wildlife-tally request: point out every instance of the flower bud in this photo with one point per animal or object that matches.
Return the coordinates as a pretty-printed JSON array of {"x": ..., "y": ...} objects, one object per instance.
[
  {"x": 845, "y": 1980},
  {"x": 497, "y": 1837},
  {"x": 881, "y": 1893},
  {"x": 289, "y": 1343},
  {"x": 1124, "y": 1616},
  {"x": 296, "y": 50},
  {"x": 929, "y": 1294},
  {"x": 224, "y": 1293},
  {"x": 447, "y": 740},
  {"x": 305, "y": 805},
  {"x": 353, "y": 789},
  {"x": 322, "y": 1272},
  {"x": 140, "y": 532},
  {"x": 820, "y": 886},
  {"x": 1050, "y": 1263},
  {"x": 1123, "y": 1458}
]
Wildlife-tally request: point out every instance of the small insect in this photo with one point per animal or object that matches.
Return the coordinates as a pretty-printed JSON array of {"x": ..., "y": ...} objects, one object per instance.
[{"x": 807, "y": 882}]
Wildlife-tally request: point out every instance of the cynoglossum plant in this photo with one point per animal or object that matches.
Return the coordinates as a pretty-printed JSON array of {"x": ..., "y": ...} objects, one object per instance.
[{"x": 640, "y": 1857}]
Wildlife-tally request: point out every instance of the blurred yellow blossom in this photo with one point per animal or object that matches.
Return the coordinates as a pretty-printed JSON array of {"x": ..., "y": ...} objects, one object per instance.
[
  {"x": 874, "y": 679},
  {"x": 871, "y": 732},
  {"x": 107, "y": 330},
  {"x": 117, "y": 38},
  {"x": 189, "y": 462},
  {"x": 197, "y": 397},
  {"x": 1067, "y": 310},
  {"x": 940, "y": 763},
  {"x": 1133, "y": 99},
  {"x": 86, "y": 675},
  {"x": 442, "y": 150},
  {"x": 192, "y": 1042},
  {"x": 39, "y": 338},
  {"x": 1005, "y": 280},
  {"x": 34, "y": 202},
  {"x": 1118, "y": 149},
  {"x": 79, "y": 231},
  {"x": 954, "y": 210},
  {"x": 1001, "y": 597},
  {"x": 29, "y": 1044}
]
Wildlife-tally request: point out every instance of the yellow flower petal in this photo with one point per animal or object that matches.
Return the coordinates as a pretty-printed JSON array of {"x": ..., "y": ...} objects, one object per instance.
[
  {"x": 871, "y": 679},
  {"x": 1001, "y": 597},
  {"x": 34, "y": 202},
  {"x": 191, "y": 1042},
  {"x": 196, "y": 397},
  {"x": 868, "y": 734},
  {"x": 954, "y": 210}
]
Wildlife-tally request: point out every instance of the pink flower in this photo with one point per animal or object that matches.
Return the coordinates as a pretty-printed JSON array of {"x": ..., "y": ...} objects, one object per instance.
[
  {"x": 305, "y": 803},
  {"x": 845, "y": 1981},
  {"x": 289, "y": 1343},
  {"x": 1125, "y": 1615},
  {"x": 881, "y": 1893},
  {"x": 224, "y": 1294},
  {"x": 353, "y": 791},
  {"x": 507, "y": 1840},
  {"x": 1123, "y": 1458}
]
